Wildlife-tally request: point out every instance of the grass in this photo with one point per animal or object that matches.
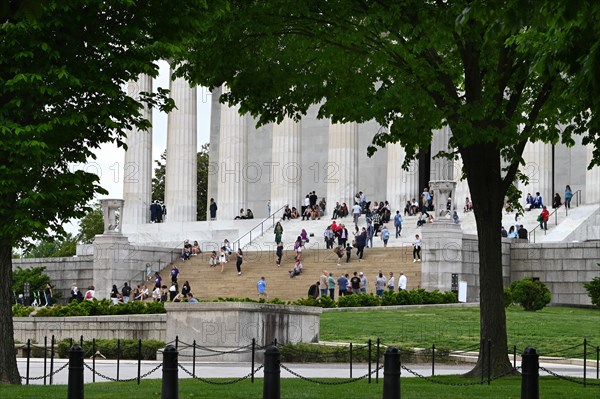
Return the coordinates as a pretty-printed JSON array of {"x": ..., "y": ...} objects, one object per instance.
[
  {"x": 551, "y": 330},
  {"x": 297, "y": 389}
]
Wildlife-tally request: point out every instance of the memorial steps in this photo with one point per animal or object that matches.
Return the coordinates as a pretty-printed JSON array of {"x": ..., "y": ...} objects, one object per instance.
[{"x": 209, "y": 283}]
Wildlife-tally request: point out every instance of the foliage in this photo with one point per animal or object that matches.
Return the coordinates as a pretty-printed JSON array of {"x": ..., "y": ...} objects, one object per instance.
[
  {"x": 356, "y": 300},
  {"x": 22, "y": 311},
  {"x": 274, "y": 301},
  {"x": 108, "y": 347},
  {"x": 101, "y": 308},
  {"x": 58, "y": 247},
  {"x": 531, "y": 294},
  {"x": 158, "y": 181},
  {"x": 322, "y": 301},
  {"x": 593, "y": 290},
  {"x": 508, "y": 297},
  {"x": 34, "y": 276},
  {"x": 91, "y": 224}
]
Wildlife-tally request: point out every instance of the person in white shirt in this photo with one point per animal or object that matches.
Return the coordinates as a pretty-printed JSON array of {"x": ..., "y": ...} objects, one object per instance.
[
  {"x": 417, "y": 249},
  {"x": 356, "y": 212},
  {"x": 402, "y": 282},
  {"x": 391, "y": 284}
]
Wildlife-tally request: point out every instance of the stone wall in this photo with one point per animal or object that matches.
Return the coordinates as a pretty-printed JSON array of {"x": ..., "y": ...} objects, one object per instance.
[
  {"x": 142, "y": 327},
  {"x": 563, "y": 267}
]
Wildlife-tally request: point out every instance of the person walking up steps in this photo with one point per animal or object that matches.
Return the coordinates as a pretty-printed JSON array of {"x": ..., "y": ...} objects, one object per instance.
[
  {"x": 417, "y": 249},
  {"x": 240, "y": 259},
  {"x": 398, "y": 223}
]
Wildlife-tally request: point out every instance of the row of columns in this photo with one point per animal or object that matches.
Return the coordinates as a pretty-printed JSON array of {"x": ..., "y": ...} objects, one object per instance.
[{"x": 181, "y": 166}]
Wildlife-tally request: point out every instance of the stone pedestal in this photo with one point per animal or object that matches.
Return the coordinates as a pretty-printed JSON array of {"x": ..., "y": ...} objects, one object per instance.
[
  {"x": 226, "y": 326},
  {"x": 402, "y": 185},
  {"x": 442, "y": 189},
  {"x": 113, "y": 211},
  {"x": 113, "y": 263},
  {"x": 181, "y": 167},
  {"x": 341, "y": 172},
  {"x": 233, "y": 152},
  {"x": 137, "y": 169},
  {"x": 287, "y": 178},
  {"x": 442, "y": 255}
]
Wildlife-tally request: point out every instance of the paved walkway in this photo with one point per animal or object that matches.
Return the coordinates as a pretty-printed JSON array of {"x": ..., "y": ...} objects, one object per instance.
[{"x": 128, "y": 370}]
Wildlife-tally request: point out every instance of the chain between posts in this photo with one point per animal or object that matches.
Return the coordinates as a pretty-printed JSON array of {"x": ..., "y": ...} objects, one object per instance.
[
  {"x": 570, "y": 379},
  {"x": 64, "y": 366},
  {"x": 99, "y": 374},
  {"x": 348, "y": 381},
  {"x": 220, "y": 382},
  {"x": 436, "y": 381}
]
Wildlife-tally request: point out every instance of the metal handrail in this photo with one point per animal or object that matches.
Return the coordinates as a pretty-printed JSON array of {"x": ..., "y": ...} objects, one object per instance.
[
  {"x": 554, "y": 212},
  {"x": 175, "y": 249},
  {"x": 236, "y": 243},
  {"x": 575, "y": 194}
]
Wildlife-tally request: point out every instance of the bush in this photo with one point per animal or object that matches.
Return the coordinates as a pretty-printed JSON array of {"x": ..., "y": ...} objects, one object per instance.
[
  {"x": 593, "y": 290},
  {"x": 101, "y": 308},
  {"x": 108, "y": 348},
  {"x": 356, "y": 300},
  {"x": 322, "y": 301},
  {"x": 508, "y": 297},
  {"x": 22, "y": 311},
  {"x": 531, "y": 294}
]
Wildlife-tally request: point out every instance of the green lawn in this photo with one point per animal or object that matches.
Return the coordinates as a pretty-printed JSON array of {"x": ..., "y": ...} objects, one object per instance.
[
  {"x": 293, "y": 388},
  {"x": 551, "y": 331}
]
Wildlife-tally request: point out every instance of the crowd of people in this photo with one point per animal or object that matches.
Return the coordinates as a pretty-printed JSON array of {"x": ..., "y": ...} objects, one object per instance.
[{"x": 357, "y": 284}]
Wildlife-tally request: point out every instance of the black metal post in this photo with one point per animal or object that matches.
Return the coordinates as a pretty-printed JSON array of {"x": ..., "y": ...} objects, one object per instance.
[
  {"x": 93, "y": 359},
  {"x": 52, "y": 342},
  {"x": 377, "y": 363},
  {"x": 75, "y": 388},
  {"x": 170, "y": 381},
  {"x": 584, "y": 362},
  {"x": 350, "y": 359},
  {"x": 530, "y": 373},
  {"x": 432, "y": 360},
  {"x": 118, "y": 357},
  {"x": 272, "y": 374},
  {"x": 81, "y": 341},
  {"x": 45, "y": 356},
  {"x": 177, "y": 342},
  {"x": 391, "y": 373},
  {"x": 194, "y": 359},
  {"x": 489, "y": 360},
  {"x": 253, "y": 353},
  {"x": 139, "y": 361},
  {"x": 28, "y": 360},
  {"x": 370, "y": 344},
  {"x": 515, "y": 357}
]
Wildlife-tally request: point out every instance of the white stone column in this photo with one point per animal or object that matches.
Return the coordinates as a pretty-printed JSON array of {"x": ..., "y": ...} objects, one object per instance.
[
  {"x": 402, "y": 185},
  {"x": 538, "y": 168},
  {"x": 592, "y": 181},
  {"x": 286, "y": 168},
  {"x": 137, "y": 168},
  {"x": 341, "y": 171},
  {"x": 181, "y": 169},
  {"x": 441, "y": 168},
  {"x": 233, "y": 157}
]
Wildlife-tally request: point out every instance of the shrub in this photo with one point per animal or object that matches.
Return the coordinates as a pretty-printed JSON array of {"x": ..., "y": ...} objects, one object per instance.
[
  {"x": 531, "y": 294},
  {"x": 508, "y": 297},
  {"x": 22, "y": 311},
  {"x": 108, "y": 348},
  {"x": 322, "y": 301},
  {"x": 101, "y": 308},
  {"x": 450, "y": 297},
  {"x": 593, "y": 290}
]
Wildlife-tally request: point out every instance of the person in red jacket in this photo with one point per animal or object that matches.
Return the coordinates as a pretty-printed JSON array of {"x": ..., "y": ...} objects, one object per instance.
[{"x": 544, "y": 218}]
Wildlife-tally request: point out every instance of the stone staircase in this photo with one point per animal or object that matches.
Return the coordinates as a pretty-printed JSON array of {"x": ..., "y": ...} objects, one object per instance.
[{"x": 209, "y": 283}]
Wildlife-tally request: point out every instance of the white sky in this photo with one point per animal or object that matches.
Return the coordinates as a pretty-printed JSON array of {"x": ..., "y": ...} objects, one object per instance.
[{"x": 110, "y": 159}]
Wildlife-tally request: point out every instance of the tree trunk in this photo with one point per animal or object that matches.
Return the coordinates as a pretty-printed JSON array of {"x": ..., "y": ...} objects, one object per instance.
[
  {"x": 482, "y": 166},
  {"x": 9, "y": 374}
]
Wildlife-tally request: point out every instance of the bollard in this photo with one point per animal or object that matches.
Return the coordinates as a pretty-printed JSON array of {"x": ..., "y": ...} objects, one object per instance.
[
  {"x": 433, "y": 360},
  {"x": 28, "y": 361},
  {"x": 253, "y": 354},
  {"x": 377, "y": 364},
  {"x": 391, "y": 373},
  {"x": 170, "y": 382},
  {"x": 350, "y": 359},
  {"x": 45, "y": 356},
  {"x": 272, "y": 374},
  {"x": 52, "y": 359},
  {"x": 530, "y": 374},
  {"x": 369, "y": 378},
  {"x": 75, "y": 388},
  {"x": 118, "y": 357}
]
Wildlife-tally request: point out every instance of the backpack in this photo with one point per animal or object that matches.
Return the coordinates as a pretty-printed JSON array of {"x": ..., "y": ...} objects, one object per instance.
[{"x": 386, "y": 234}]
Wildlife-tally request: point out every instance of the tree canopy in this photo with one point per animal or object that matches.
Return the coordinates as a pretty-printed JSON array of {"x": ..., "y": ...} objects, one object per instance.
[
  {"x": 63, "y": 68},
  {"x": 499, "y": 75}
]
